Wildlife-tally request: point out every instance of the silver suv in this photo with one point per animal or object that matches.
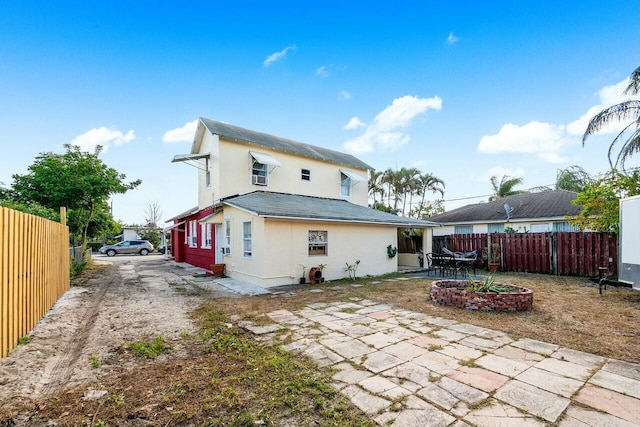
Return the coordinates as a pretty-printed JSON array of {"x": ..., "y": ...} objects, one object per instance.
[{"x": 141, "y": 247}]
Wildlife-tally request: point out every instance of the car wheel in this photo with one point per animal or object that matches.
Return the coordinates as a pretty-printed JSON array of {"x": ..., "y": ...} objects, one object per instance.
[
  {"x": 111, "y": 252},
  {"x": 144, "y": 251}
]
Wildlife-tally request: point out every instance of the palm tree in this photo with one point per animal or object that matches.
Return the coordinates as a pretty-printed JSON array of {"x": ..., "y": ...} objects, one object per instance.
[
  {"x": 389, "y": 177},
  {"x": 430, "y": 183},
  {"x": 375, "y": 185},
  {"x": 625, "y": 111},
  {"x": 505, "y": 188},
  {"x": 573, "y": 178},
  {"x": 409, "y": 185}
]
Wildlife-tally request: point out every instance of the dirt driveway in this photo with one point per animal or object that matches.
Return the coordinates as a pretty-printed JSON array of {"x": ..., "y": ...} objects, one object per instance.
[{"x": 122, "y": 299}]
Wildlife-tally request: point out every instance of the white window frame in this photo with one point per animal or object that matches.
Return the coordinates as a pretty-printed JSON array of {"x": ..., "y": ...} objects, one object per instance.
[
  {"x": 305, "y": 174},
  {"x": 226, "y": 249},
  {"x": 318, "y": 239},
  {"x": 207, "y": 172},
  {"x": 463, "y": 229},
  {"x": 193, "y": 234},
  {"x": 543, "y": 227},
  {"x": 205, "y": 232},
  {"x": 255, "y": 177},
  {"x": 247, "y": 242},
  {"x": 345, "y": 184}
]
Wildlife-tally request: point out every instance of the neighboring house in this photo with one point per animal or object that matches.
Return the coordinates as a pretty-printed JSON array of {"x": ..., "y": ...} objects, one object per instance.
[
  {"x": 269, "y": 206},
  {"x": 528, "y": 212}
]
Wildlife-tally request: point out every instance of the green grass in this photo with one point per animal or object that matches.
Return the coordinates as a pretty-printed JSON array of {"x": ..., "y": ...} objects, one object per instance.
[
  {"x": 267, "y": 383},
  {"x": 148, "y": 348}
]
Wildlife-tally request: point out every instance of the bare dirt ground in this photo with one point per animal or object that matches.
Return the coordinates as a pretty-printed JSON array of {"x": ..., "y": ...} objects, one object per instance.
[
  {"x": 84, "y": 344},
  {"x": 113, "y": 303}
]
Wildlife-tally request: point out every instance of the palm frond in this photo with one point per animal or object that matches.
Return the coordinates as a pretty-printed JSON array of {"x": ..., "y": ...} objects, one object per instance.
[
  {"x": 628, "y": 110},
  {"x": 634, "y": 83},
  {"x": 630, "y": 147}
]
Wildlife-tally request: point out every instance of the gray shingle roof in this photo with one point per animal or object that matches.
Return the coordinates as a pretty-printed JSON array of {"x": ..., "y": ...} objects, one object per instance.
[
  {"x": 281, "y": 144},
  {"x": 268, "y": 204},
  {"x": 545, "y": 204}
]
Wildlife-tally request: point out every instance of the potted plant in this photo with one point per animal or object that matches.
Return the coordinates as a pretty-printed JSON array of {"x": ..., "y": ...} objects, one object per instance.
[
  {"x": 303, "y": 278},
  {"x": 321, "y": 267},
  {"x": 494, "y": 257}
]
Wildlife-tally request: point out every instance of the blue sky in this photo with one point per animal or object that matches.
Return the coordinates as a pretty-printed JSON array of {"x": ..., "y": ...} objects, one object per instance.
[{"x": 463, "y": 90}]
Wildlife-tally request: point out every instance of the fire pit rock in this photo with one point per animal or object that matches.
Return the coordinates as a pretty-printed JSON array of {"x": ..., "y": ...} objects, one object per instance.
[{"x": 455, "y": 293}]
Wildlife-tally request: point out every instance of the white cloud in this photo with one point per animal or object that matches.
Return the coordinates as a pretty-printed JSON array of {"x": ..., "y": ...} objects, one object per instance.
[
  {"x": 354, "y": 123},
  {"x": 322, "y": 71},
  {"x": 383, "y": 135},
  {"x": 181, "y": 134},
  {"x": 608, "y": 96},
  {"x": 547, "y": 140},
  {"x": 345, "y": 95},
  {"x": 277, "y": 56},
  {"x": 452, "y": 39},
  {"x": 102, "y": 136}
]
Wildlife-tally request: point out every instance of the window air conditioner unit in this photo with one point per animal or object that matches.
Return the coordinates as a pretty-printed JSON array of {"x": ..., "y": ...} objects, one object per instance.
[{"x": 259, "y": 180}]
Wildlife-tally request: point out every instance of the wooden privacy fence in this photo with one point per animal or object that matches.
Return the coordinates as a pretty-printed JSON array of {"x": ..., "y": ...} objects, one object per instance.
[
  {"x": 561, "y": 253},
  {"x": 34, "y": 272}
]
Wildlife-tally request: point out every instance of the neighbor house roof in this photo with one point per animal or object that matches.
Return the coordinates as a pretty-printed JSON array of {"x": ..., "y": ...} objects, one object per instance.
[
  {"x": 293, "y": 206},
  {"x": 237, "y": 133},
  {"x": 541, "y": 205}
]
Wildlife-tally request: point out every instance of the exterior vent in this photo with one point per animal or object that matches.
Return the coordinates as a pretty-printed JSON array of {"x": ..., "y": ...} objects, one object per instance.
[{"x": 258, "y": 180}]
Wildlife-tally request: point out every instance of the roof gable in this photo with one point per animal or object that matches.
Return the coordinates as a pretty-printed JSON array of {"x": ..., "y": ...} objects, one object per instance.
[
  {"x": 541, "y": 205},
  {"x": 236, "y": 133}
]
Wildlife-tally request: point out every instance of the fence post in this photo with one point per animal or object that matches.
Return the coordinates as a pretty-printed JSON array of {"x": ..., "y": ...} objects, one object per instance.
[{"x": 63, "y": 215}]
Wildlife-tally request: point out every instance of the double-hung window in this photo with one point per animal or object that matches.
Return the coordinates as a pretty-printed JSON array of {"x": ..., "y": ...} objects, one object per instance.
[
  {"x": 227, "y": 237},
  {"x": 193, "y": 234},
  {"x": 205, "y": 232},
  {"x": 345, "y": 185},
  {"x": 318, "y": 242},
  {"x": 258, "y": 173},
  {"x": 246, "y": 239}
]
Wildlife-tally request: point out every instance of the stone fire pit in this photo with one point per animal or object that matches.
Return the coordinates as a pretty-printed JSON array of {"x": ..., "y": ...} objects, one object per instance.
[{"x": 454, "y": 293}]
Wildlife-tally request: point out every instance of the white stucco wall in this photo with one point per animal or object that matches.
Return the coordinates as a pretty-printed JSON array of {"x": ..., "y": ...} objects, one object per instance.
[
  {"x": 230, "y": 174},
  {"x": 281, "y": 247}
]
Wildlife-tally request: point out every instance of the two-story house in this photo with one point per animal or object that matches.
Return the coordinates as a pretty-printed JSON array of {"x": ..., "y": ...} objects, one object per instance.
[{"x": 269, "y": 207}]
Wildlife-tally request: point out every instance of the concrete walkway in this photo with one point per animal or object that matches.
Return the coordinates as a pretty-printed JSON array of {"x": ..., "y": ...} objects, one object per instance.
[{"x": 405, "y": 368}]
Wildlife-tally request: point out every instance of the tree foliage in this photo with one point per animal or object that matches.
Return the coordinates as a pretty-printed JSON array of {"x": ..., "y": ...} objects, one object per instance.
[
  {"x": 627, "y": 112},
  {"x": 78, "y": 180},
  {"x": 505, "y": 187},
  {"x": 600, "y": 201},
  {"x": 573, "y": 178},
  {"x": 401, "y": 187}
]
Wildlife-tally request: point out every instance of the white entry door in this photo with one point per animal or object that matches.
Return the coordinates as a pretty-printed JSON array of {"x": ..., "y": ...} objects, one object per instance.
[{"x": 219, "y": 245}]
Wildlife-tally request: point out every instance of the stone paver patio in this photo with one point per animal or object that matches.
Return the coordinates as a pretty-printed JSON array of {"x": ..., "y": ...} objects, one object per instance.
[{"x": 405, "y": 369}]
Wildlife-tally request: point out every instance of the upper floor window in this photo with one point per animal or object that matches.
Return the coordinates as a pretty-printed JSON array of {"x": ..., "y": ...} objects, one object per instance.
[
  {"x": 345, "y": 185},
  {"x": 258, "y": 173},
  {"x": 260, "y": 164},
  {"x": 207, "y": 172},
  {"x": 305, "y": 174}
]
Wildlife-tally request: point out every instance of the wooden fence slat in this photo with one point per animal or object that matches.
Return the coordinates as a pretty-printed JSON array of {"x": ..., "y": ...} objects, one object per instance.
[
  {"x": 34, "y": 272},
  {"x": 562, "y": 253}
]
